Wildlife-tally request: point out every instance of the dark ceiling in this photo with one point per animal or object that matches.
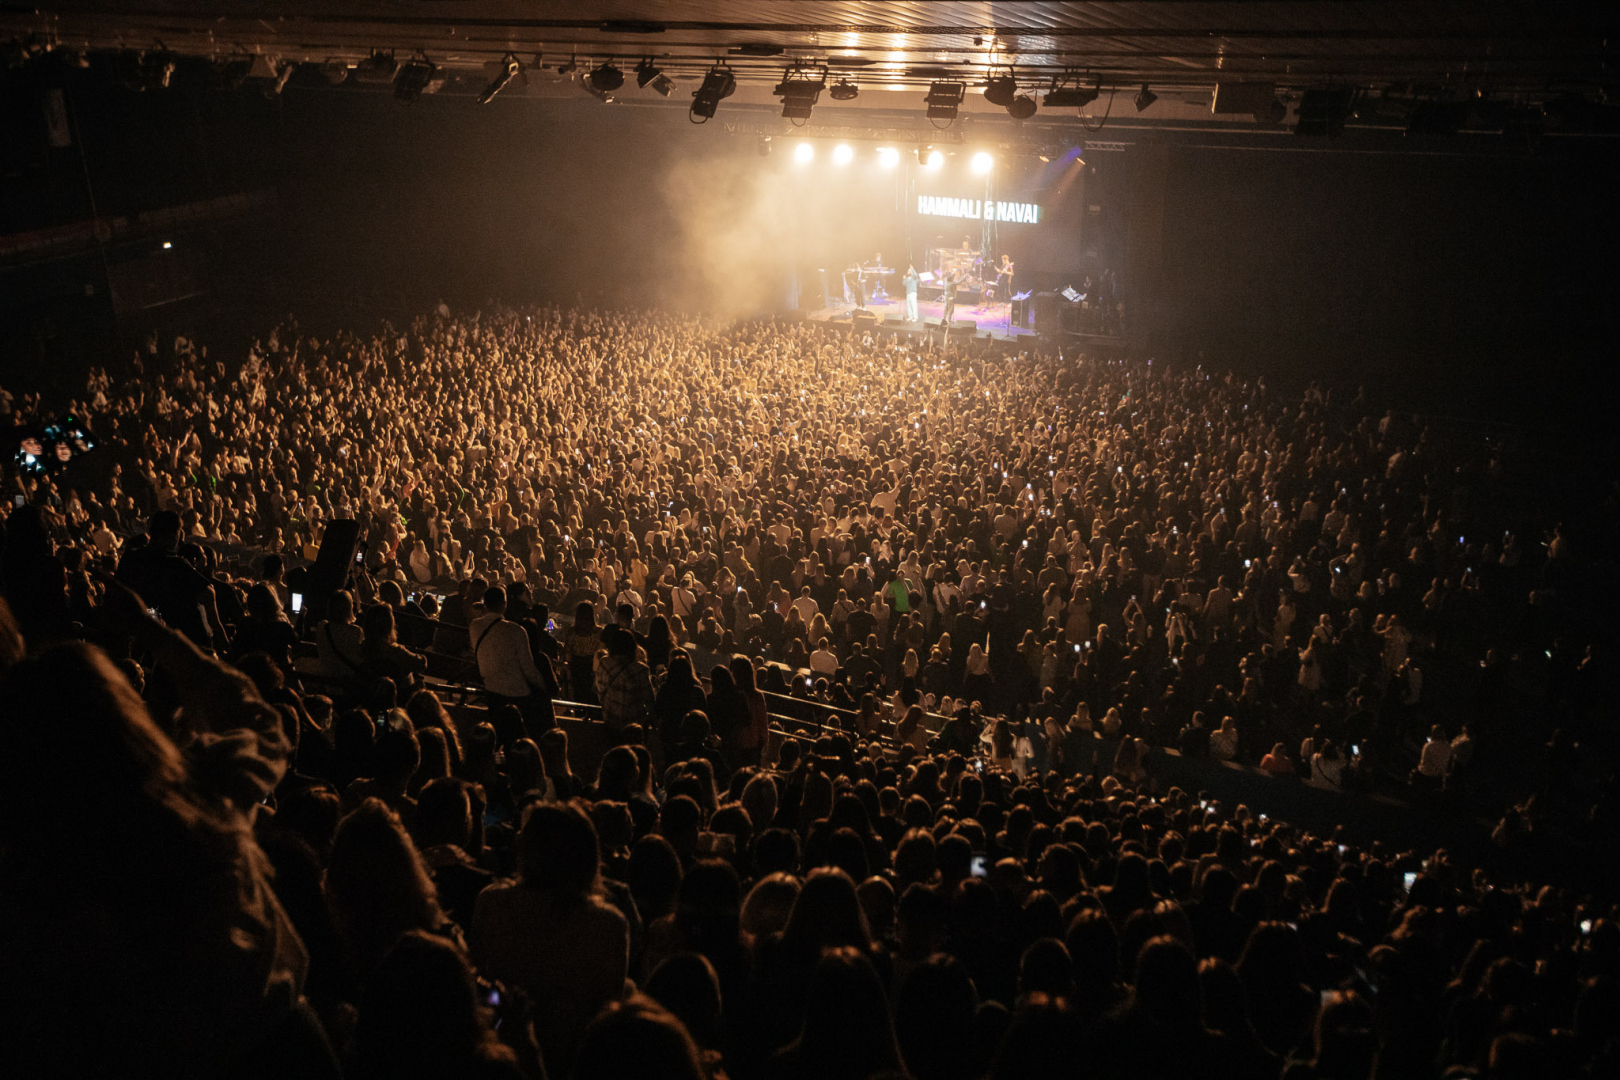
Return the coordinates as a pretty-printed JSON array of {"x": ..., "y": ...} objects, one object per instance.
[{"x": 1514, "y": 54}]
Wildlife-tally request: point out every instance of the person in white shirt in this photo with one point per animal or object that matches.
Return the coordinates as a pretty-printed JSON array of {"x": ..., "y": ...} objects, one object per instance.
[
  {"x": 683, "y": 598},
  {"x": 628, "y": 595},
  {"x": 824, "y": 661},
  {"x": 507, "y": 665},
  {"x": 1327, "y": 767},
  {"x": 1435, "y": 762},
  {"x": 808, "y": 608},
  {"x": 105, "y": 540},
  {"x": 421, "y": 563}
]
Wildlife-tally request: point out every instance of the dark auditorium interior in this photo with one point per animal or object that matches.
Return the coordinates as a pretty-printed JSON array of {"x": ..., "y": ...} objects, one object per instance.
[{"x": 809, "y": 539}]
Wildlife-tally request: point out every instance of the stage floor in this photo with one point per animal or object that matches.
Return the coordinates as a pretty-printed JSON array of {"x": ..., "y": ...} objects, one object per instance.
[{"x": 992, "y": 320}]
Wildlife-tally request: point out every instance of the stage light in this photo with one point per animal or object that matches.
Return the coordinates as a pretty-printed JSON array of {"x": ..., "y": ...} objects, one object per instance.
[
  {"x": 1145, "y": 97},
  {"x": 335, "y": 70},
  {"x": 843, "y": 154},
  {"x": 943, "y": 99},
  {"x": 141, "y": 71},
  {"x": 1022, "y": 107},
  {"x": 167, "y": 244},
  {"x": 646, "y": 73},
  {"x": 933, "y": 160},
  {"x": 1001, "y": 90},
  {"x": 719, "y": 83},
  {"x": 844, "y": 90},
  {"x": 888, "y": 157},
  {"x": 804, "y": 153},
  {"x": 379, "y": 67},
  {"x": 283, "y": 73},
  {"x": 764, "y": 146},
  {"x": 799, "y": 90},
  {"x": 509, "y": 70},
  {"x": 1070, "y": 97},
  {"x": 605, "y": 77},
  {"x": 413, "y": 78},
  {"x": 983, "y": 162}
]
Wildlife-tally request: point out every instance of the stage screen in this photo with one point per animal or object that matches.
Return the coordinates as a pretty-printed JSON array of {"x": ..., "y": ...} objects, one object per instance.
[{"x": 1023, "y": 207}]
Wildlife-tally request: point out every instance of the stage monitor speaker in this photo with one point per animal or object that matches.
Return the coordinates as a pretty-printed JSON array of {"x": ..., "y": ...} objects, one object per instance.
[
  {"x": 333, "y": 561},
  {"x": 963, "y": 324},
  {"x": 1048, "y": 312}
]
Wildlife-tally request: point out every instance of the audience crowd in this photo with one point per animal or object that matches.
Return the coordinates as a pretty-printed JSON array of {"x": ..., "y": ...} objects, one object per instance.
[{"x": 247, "y": 835}]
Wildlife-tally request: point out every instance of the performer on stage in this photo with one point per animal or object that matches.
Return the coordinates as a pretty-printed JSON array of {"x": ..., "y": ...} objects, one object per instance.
[
  {"x": 950, "y": 301},
  {"x": 1004, "y": 278},
  {"x": 855, "y": 287},
  {"x": 911, "y": 293}
]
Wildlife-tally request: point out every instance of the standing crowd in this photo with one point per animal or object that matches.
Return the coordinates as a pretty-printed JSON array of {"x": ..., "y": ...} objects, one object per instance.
[{"x": 245, "y": 835}]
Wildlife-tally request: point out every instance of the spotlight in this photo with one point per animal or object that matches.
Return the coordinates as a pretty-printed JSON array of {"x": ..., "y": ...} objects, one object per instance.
[
  {"x": 983, "y": 163},
  {"x": 932, "y": 160},
  {"x": 888, "y": 157},
  {"x": 764, "y": 146},
  {"x": 843, "y": 154},
  {"x": 1070, "y": 97},
  {"x": 1001, "y": 90},
  {"x": 799, "y": 91},
  {"x": 1022, "y": 107},
  {"x": 413, "y": 78},
  {"x": 844, "y": 90},
  {"x": 159, "y": 69},
  {"x": 141, "y": 71},
  {"x": 605, "y": 77},
  {"x": 335, "y": 70},
  {"x": 379, "y": 67},
  {"x": 719, "y": 83},
  {"x": 647, "y": 73},
  {"x": 1145, "y": 97},
  {"x": 804, "y": 153},
  {"x": 509, "y": 70},
  {"x": 943, "y": 99},
  {"x": 284, "y": 72}
]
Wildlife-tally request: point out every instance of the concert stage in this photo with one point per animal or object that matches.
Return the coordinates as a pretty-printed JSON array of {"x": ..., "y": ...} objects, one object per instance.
[{"x": 993, "y": 320}]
